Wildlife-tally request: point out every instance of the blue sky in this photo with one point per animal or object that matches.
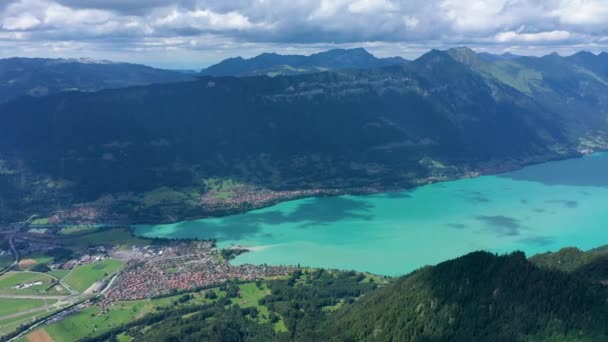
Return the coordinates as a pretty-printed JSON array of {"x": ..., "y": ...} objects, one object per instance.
[{"x": 197, "y": 33}]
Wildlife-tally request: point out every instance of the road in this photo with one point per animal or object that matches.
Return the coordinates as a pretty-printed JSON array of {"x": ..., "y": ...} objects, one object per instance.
[
  {"x": 27, "y": 312},
  {"x": 33, "y": 297},
  {"x": 11, "y": 240},
  {"x": 76, "y": 300},
  {"x": 43, "y": 321},
  {"x": 14, "y": 251}
]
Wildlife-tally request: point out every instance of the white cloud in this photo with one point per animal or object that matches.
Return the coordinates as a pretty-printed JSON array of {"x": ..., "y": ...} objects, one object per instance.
[
  {"x": 21, "y": 22},
  {"x": 218, "y": 28},
  {"x": 513, "y": 36},
  {"x": 370, "y": 6},
  {"x": 411, "y": 22},
  {"x": 582, "y": 12}
]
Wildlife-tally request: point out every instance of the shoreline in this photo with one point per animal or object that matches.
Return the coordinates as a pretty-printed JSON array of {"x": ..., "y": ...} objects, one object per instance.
[
  {"x": 364, "y": 191},
  {"x": 281, "y": 196}
]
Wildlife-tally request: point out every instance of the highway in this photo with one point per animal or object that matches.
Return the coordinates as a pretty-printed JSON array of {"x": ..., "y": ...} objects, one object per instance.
[{"x": 16, "y": 228}]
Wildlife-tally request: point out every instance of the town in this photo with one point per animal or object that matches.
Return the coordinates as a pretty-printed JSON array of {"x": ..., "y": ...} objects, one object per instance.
[
  {"x": 61, "y": 271},
  {"x": 180, "y": 267}
]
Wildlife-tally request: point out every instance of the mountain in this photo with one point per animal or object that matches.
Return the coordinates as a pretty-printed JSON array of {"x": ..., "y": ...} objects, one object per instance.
[
  {"x": 478, "y": 297},
  {"x": 490, "y": 57},
  {"x": 272, "y": 64},
  {"x": 590, "y": 265},
  {"x": 41, "y": 76},
  {"x": 220, "y": 145},
  {"x": 574, "y": 86}
]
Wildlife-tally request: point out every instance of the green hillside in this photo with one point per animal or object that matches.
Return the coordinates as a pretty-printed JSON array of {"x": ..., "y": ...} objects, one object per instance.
[
  {"x": 147, "y": 154},
  {"x": 478, "y": 297}
]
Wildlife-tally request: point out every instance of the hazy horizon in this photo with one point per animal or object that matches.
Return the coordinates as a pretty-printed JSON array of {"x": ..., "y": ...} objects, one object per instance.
[
  {"x": 194, "y": 67},
  {"x": 192, "y": 34}
]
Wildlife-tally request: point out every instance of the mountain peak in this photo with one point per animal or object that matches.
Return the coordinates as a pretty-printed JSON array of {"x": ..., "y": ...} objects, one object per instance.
[
  {"x": 359, "y": 52},
  {"x": 275, "y": 64},
  {"x": 584, "y": 54},
  {"x": 465, "y": 55},
  {"x": 510, "y": 55},
  {"x": 461, "y": 50}
]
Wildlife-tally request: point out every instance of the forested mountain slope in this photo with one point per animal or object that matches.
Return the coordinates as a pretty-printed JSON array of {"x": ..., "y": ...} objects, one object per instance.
[
  {"x": 478, "y": 297},
  {"x": 445, "y": 115}
]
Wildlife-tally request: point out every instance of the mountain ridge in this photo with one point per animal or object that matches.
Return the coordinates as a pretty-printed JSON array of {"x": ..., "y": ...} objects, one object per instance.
[
  {"x": 479, "y": 296},
  {"x": 273, "y": 64},
  {"x": 43, "y": 76},
  {"x": 443, "y": 116}
]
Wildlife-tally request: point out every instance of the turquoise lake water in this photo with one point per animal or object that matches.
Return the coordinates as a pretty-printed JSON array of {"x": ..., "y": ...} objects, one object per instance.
[{"x": 539, "y": 208}]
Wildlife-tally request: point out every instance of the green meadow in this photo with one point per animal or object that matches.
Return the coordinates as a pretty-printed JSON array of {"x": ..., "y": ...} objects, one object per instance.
[{"x": 82, "y": 277}]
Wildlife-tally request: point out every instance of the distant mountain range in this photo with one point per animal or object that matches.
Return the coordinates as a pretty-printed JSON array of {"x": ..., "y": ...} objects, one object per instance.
[
  {"x": 149, "y": 152},
  {"x": 272, "y": 64},
  {"x": 42, "y": 76}
]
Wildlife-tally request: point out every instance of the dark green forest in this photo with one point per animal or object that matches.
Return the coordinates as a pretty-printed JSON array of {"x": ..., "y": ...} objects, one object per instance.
[{"x": 442, "y": 116}]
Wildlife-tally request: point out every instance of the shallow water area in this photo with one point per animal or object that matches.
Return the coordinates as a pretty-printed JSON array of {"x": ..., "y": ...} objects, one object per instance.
[{"x": 539, "y": 208}]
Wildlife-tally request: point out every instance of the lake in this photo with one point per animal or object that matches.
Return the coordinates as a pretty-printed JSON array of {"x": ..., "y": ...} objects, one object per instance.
[{"x": 539, "y": 208}]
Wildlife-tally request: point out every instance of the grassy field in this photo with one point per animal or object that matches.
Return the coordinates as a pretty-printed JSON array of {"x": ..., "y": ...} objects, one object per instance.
[
  {"x": 82, "y": 277},
  {"x": 124, "y": 338},
  {"x": 87, "y": 321},
  {"x": 29, "y": 261},
  {"x": 119, "y": 237},
  {"x": 40, "y": 221},
  {"x": 77, "y": 229},
  {"x": 250, "y": 295},
  {"x": 90, "y": 322},
  {"x": 11, "y": 279},
  {"x": 222, "y": 188},
  {"x": 76, "y": 326},
  {"x": 59, "y": 274},
  {"x": 12, "y": 306},
  {"x": 9, "y": 325}
]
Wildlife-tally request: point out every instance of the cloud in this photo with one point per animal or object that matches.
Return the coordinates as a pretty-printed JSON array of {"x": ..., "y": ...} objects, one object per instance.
[
  {"x": 371, "y": 6},
  {"x": 582, "y": 12},
  {"x": 512, "y": 36},
  {"x": 21, "y": 22},
  {"x": 244, "y": 27}
]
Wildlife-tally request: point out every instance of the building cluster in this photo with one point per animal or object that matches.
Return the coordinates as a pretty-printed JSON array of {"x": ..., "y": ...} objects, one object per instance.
[
  {"x": 182, "y": 267},
  {"x": 90, "y": 214},
  {"x": 70, "y": 311},
  {"x": 255, "y": 196},
  {"x": 27, "y": 247},
  {"x": 90, "y": 256},
  {"x": 81, "y": 214},
  {"x": 27, "y": 285}
]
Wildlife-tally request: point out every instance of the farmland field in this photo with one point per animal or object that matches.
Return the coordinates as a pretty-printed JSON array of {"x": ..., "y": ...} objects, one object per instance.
[
  {"x": 119, "y": 237},
  {"x": 13, "y": 306},
  {"x": 81, "y": 324},
  {"x": 11, "y": 279},
  {"x": 82, "y": 277}
]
